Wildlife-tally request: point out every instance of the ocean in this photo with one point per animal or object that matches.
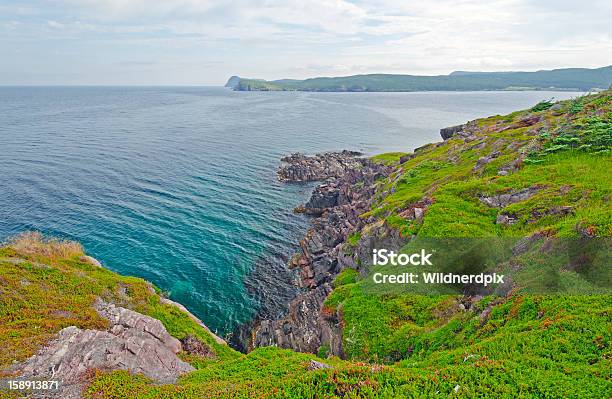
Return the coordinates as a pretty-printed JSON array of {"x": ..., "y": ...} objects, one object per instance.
[{"x": 177, "y": 185}]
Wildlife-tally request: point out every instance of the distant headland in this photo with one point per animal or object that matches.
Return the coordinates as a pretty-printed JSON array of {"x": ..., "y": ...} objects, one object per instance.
[{"x": 579, "y": 79}]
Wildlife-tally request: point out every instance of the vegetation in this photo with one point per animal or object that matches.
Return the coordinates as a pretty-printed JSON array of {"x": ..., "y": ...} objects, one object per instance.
[
  {"x": 399, "y": 344},
  {"x": 570, "y": 78},
  {"x": 388, "y": 158},
  {"x": 567, "y": 153},
  {"x": 47, "y": 285}
]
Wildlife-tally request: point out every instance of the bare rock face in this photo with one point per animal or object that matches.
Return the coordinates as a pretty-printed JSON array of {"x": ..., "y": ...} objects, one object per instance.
[
  {"x": 466, "y": 132},
  {"x": 315, "y": 365},
  {"x": 194, "y": 346},
  {"x": 482, "y": 161},
  {"x": 337, "y": 205},
  {"x": 302, "y": 329},
  {"x": 133, "y": 342},
  {"x": 449, "y": 132},
  {"x": 525, "y": 122},
  {"x": 506, "y": 219},
  {"x": 301, "y": 168}
]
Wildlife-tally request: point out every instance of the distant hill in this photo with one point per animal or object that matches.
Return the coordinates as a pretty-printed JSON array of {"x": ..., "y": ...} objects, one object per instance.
[
  {"x": 582, "y": 79},
  {"x": 232, "y": 82}
]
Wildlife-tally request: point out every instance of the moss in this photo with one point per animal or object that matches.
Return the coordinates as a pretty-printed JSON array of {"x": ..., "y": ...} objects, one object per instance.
[
  {"x": 542, "y": 106},
  {"x": 346, "y": 276},
  {"x": 353, "y": 238},
  {"x": 527, "y": 346},
  {"x": 388, "y": 158},
  {"x": 323, "y": 351}
]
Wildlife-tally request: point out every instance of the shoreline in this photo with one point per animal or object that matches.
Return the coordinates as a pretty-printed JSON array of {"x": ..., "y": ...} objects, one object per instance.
[{"x": 345, "y": 187}]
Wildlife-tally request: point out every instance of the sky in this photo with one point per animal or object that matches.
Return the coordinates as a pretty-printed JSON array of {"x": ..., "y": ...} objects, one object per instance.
[{"x": 204, "y": 42}]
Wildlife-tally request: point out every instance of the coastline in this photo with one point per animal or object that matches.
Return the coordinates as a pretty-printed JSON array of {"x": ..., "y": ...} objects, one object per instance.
[
  {"x": 335, "y": 207},
  {"x": 490, "y": 177}
]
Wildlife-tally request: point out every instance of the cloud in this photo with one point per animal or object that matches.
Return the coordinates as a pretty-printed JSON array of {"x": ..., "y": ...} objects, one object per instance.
[{"x": 272, "y": 39}]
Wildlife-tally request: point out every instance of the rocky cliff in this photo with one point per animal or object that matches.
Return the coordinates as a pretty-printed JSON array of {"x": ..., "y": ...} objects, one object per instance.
[
  {"x": 385, "y": 201},
  {"x": 337, "y": 206}
]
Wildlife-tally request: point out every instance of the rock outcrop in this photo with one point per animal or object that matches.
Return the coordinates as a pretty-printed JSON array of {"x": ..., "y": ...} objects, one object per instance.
[
  {"x": 133, "y": 342},
  {"x": 467, "y": 132},
  {"x": 301, "y": 168},
  {"x": 338, "y": 204},
  {"x": 503, "y": 200},
  {"x": 449, "y": 132}
]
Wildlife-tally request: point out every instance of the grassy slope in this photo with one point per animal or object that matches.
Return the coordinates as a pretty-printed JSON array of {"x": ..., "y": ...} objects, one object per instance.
[
  {"x": 550, "y": 342},
  {"x": 46, "y": 288},
  {"x": 399, "y": 345}
]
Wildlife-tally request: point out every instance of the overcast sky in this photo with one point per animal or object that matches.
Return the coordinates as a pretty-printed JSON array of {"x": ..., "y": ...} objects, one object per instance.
[{"x": 203, "y": 42}]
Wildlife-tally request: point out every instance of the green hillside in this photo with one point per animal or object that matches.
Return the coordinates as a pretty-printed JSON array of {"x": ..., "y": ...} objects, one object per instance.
[{"x": 570, "y": 79}]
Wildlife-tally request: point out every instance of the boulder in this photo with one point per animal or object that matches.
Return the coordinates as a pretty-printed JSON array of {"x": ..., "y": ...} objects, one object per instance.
[
  {"x": 315, "y": 365},
  {"x": 506, "y": 219},
  {"x": 503, "y": 200},
  {"x": 133, "y": 342},
  {"x": 449, "y": 132},
  {"x": 194, "y": 346}
]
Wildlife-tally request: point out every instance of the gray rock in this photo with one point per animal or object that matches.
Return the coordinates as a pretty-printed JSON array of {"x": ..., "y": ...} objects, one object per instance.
[
  {"x": 405, "y": 158},
  {"x": 503, "y": 200},
  {"x": 526, "y": 243},
  {"x": 512, "y": 166},
  {"x": 315, "y": 365},
  {"x": 449, "y": 132},
  {"x": 301, "y": 168},
  {"x": 537, "y": 214},
  {"x": 525, "y": 122},
  {"x": 194, "y": 346},
  {"x": 338, "y": 205},
  {"x": 482, "y": 161},
  {"x": 133, "y": 342},
  {"x": 506, "y": 219},
  {"x": 304, "y": 329}
]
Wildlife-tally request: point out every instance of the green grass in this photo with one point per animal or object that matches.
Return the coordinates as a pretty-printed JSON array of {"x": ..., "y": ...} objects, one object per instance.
[
  {"x": 388, "y": 158},
  {"x": 354, "y": 238},
  {"x": 531, "y": 346},
  {"x": 542, "y": 106},
  {"x": 545, "y": 347},
  {"x": 346, "y": 276},
  {"x": 446, "y": 175}
]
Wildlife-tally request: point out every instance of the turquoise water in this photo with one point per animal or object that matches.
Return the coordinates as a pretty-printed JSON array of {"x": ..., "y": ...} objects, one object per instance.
[{"x": 178, "y": 185}]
